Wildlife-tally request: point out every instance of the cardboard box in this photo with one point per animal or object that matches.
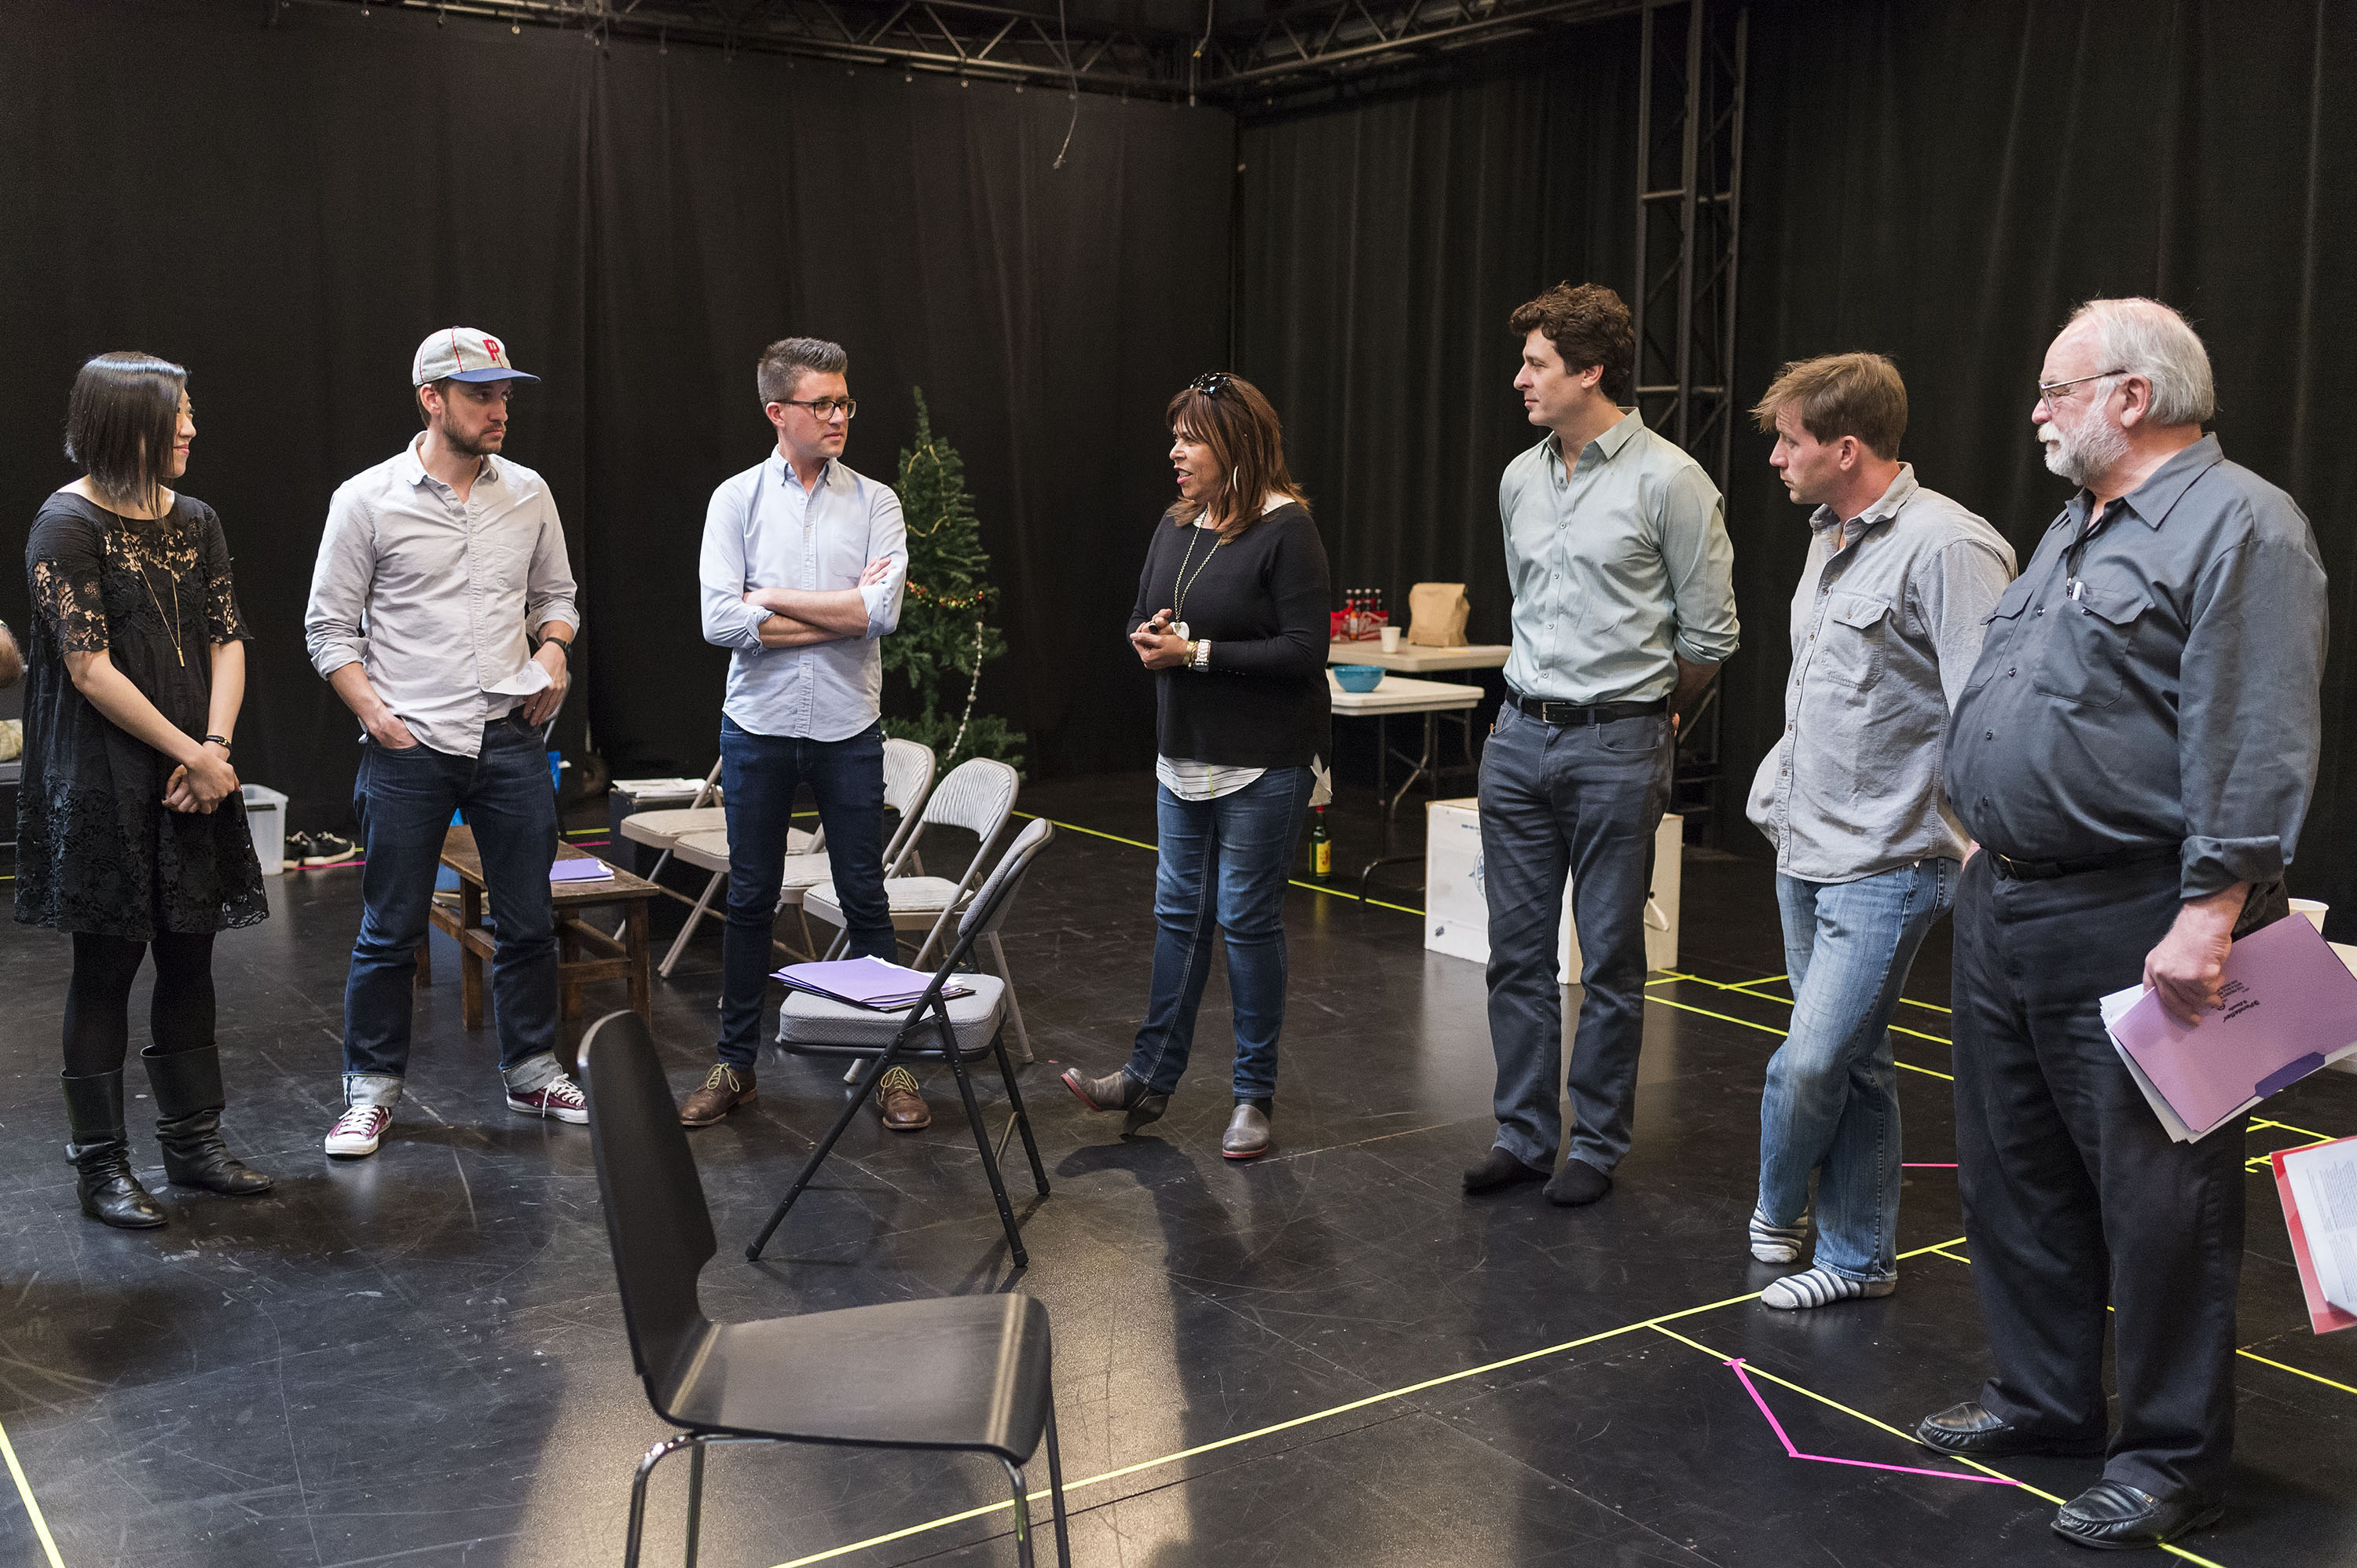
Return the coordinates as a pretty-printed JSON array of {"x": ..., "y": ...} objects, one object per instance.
[{"x": 1457, "y": 911}]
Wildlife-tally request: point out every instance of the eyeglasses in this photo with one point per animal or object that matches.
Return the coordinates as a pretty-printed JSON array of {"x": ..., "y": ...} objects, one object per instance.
[
  {"x": 2051, "y": 391},
  {"x": 824, "y": 408},
  {"x": 1211, "y": 385}
]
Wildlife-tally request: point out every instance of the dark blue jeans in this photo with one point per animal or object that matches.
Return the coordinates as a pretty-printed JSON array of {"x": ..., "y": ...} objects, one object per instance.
[
  {"x": 404, "y": 800},
  {"x": 1224, "y": 866},
  {"x": 1583, "y": 799},
  {"x": 759, "y": 776}
]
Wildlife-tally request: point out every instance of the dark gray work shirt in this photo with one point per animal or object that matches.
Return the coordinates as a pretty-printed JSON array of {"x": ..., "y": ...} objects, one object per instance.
[
  {"x": 2154, "y": 682},
  {"x": 1885, "y": 632}
]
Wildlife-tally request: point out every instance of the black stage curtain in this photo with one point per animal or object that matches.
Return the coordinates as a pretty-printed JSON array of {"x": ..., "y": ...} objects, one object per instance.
[
  {"x": 1381, "y": 247},
  {"x": 287, "y": 209},
  {"x": 1939, "y": 181}
]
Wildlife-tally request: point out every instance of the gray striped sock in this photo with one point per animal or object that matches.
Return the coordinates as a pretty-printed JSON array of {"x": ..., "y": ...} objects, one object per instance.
[
  {"x": 1821, "y": 1287},
  {"x": 1778, "y": 1243}
]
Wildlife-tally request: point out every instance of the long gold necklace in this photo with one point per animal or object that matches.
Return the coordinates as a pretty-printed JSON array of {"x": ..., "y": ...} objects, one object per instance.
[
  {"x": 172, "y": 627},
  {"x": 1178, "y": 610}
]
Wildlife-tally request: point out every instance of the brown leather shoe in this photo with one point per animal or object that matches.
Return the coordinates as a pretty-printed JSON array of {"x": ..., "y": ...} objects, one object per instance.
[
  {"x": 724, "y": 1089},
  {"x": 904, "y": 1108}
]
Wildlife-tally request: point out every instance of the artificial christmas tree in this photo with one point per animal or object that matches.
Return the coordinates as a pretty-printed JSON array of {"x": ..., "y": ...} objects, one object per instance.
[{"x": 945, "y": 616}]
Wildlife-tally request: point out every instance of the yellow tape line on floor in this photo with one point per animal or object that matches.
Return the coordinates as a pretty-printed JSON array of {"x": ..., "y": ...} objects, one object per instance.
[
  {"x": 1143, "y": 1465},
  {"x": 1771, "y": 1029},
  {"x": 32, "y": 1508},
  {"x": 1137, "y": 844}
]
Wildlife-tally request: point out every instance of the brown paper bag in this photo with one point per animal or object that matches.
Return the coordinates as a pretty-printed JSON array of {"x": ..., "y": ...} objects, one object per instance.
[{"x": 1436, "y": 614}]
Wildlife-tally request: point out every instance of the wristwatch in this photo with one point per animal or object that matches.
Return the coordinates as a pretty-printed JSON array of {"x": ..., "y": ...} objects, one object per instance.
[{"x": 1199, "y": 656}]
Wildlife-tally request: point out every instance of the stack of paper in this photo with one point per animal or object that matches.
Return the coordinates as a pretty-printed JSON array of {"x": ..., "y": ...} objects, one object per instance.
[
  {"x": 2318, "y": 1188},
  {"x": 2289, "y": 1007},
  {"x": 867, "y": 983}
]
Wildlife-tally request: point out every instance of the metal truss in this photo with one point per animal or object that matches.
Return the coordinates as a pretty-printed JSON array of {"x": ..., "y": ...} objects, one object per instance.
[
  {"x": 1689, "y": 230},
  {"x": 1300, "y": 46},
  {"x": 957, "y": 37},
  {"x": 1286, "y": 48}
]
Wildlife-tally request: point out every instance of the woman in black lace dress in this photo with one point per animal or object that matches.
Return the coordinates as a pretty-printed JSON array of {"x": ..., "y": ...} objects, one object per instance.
[{"x": 131, "y": 832}]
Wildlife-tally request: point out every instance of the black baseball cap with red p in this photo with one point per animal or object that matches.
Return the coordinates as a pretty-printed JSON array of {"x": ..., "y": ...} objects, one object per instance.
[{"x": 463, "y": 354}]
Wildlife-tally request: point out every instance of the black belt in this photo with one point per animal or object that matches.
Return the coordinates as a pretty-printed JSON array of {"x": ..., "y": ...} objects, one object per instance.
[
  {"x": 1550, "y": 713},
  {"x": 2014, "y": 870}
]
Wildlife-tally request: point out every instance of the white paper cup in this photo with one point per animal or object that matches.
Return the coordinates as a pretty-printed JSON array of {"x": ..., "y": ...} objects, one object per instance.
[
  {"x": 2312, "y": 909},
  {"x": 1391, "y": 634}
]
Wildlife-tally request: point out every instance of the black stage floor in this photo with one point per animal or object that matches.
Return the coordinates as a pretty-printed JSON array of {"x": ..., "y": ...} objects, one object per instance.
[{"x": 1328, "y": 1357}]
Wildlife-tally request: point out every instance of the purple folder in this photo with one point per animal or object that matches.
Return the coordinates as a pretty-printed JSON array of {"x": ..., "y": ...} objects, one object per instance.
[
  {"x": 863, "y": 982},
  {"x": 2289, "y": 1004},
  {"x": 589, "y": 868}
]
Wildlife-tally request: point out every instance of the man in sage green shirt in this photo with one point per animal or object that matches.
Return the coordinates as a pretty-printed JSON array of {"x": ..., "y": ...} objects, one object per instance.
[{"x": 1624, "y": 609}]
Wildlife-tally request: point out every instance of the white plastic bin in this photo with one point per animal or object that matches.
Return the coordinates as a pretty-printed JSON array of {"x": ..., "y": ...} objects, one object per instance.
[
  {"x": 1457, "y": 910},
  {"x": 265, "y": 818}
]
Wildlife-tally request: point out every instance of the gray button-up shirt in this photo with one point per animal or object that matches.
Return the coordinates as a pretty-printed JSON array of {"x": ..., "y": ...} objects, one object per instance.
[
  {"x": 1619, "y": 568},
  {"x": 764, "y": 531},
  {"x": 2153, "y": 683},
  {"x": 1885, "y": 631},
  {"x": 432, "y": 596}
]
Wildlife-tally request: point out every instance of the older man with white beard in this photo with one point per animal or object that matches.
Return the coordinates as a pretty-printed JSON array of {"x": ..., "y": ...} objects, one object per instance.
[{"x": 2134, "y": 752}]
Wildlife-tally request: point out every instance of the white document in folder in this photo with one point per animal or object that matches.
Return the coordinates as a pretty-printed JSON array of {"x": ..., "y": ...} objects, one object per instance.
[{"x": 2324, "y": 1186}]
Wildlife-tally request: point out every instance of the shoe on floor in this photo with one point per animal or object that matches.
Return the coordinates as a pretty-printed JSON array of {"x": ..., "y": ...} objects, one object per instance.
[
  {"x": 358, "y": 1131},
  {"x": 1821, "y": 1287},
  {"x": 1499, "y": 1169},
  {"x": 903, "y": 1107},
  {"x": 1970, "y": 1430},
  {"x": 559, "y": 1099},
  {"x": 2112, "y": 1516},
  {"x": 293, "y": 848},
  {"x": 327, "y": 848},
  {"x": 724, "y": 1089},
  {"x": 1778, "y": 1243},
  {"x": 1247, "y": 1136},
  {"x": 1577, "y": 1185},
  {"x": 1117, "y": 1091}
]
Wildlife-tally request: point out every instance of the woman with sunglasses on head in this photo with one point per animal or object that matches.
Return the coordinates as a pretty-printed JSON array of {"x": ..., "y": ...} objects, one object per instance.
[
  {"x": 1231, "y": 617},
  {"x": 131, "y": 830}
]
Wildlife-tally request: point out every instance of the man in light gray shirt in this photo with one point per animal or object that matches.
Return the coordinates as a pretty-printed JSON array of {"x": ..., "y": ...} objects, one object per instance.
[
  {"x": 1886, "y": 621},
  {"x": 802, "y": 568},
  {"x": 1624, "y": 609},
  {"x": 438, "y": 570}
]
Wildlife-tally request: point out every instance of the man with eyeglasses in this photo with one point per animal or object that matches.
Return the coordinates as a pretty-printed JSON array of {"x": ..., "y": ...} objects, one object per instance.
[
  {"x": 802, "y": 568},
  {"x": 2134, "y": 752}
]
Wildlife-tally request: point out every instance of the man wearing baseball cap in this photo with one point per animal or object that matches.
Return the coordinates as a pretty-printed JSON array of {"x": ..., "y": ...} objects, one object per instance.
[{"x": 442, "y": 614}]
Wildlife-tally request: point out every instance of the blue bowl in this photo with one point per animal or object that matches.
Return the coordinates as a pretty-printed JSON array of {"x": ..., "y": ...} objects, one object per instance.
[{"x": 1358, "y": 677}]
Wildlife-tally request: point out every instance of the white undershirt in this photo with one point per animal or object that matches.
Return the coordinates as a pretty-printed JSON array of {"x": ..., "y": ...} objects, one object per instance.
[{"x": 1193, "y": 780}]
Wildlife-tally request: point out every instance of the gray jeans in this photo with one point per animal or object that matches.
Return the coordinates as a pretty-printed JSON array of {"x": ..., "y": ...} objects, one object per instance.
[{"x": 1583, "y": 798}]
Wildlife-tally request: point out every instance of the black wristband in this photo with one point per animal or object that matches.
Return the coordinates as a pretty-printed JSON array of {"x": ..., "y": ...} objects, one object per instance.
[
  {"x": 219, "y": 740},
  {"x": 563, "y": 645}
]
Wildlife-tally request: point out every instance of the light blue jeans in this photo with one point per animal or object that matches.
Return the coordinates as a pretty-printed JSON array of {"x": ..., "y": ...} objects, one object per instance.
[{"x": 1832, "y": 1101}]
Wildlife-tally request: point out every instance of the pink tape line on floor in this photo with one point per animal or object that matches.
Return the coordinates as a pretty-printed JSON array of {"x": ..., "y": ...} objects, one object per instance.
[
  {"x": 1925, "y": 1166},
  {"x": 1778, "y": 1428}
]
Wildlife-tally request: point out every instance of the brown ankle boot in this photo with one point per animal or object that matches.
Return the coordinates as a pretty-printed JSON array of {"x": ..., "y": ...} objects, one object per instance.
[{"x": 724, "y": 1089}]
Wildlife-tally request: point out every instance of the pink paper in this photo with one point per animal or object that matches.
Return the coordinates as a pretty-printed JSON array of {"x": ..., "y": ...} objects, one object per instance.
[{"x": 2289, "y": 1002}]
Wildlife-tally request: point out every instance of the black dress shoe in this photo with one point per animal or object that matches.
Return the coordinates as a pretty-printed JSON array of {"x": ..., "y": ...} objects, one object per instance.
[
  {"x": 1969, "y": 1430},
  {"x": 2112, "y": 1516},
  {"x": 1499, "y": 1168}
]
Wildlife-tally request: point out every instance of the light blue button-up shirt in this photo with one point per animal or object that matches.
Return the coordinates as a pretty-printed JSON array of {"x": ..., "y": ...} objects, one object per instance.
[
  {"x": 1619, "y": 568},
  {"x": 764, "y": 531}
]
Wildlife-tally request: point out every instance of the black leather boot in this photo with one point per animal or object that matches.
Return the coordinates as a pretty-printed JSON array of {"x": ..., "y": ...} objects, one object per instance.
[
  {"x": 100, "y": 1154},
  {"x": 188, "y": 1099}
]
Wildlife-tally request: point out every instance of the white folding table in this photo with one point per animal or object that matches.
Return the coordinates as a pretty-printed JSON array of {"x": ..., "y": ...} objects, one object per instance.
[{"x": 1401, "y": 694}]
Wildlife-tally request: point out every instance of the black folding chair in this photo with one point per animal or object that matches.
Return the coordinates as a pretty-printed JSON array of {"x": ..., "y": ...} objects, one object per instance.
[
  {"x": 965, "y": 1373},
  {"x": 956, "y": 1030}
]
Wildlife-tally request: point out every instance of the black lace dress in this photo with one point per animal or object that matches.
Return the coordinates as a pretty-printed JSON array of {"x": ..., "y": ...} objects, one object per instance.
[{"x": 96, "y": 849}]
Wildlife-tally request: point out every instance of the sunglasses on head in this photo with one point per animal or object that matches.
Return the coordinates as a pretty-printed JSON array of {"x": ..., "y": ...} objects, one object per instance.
[{"x": 1211, "y": 385}]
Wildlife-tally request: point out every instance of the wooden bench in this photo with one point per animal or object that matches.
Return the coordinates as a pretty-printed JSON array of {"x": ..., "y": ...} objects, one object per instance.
[{"x": 585, "y": 953}]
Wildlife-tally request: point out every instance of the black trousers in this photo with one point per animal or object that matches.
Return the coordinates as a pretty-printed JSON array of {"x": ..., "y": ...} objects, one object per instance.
[{"x": 2075, "y": 1197}]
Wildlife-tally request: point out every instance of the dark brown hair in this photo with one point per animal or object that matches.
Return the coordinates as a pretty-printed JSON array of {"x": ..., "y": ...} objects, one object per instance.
[
  {"x": 1841, "y": 394},
  {"x": 780, "y": 372},
  {"x": 122, "y": 420},
  {"x": 1247, "y": 441},
  {"x": 1589, "y": 324}
]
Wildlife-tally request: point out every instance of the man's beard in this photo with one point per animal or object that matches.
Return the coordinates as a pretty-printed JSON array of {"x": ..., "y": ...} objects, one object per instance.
[
  {"x": 480, "y": 445},
  {"x": 2079, "y": 453}
]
